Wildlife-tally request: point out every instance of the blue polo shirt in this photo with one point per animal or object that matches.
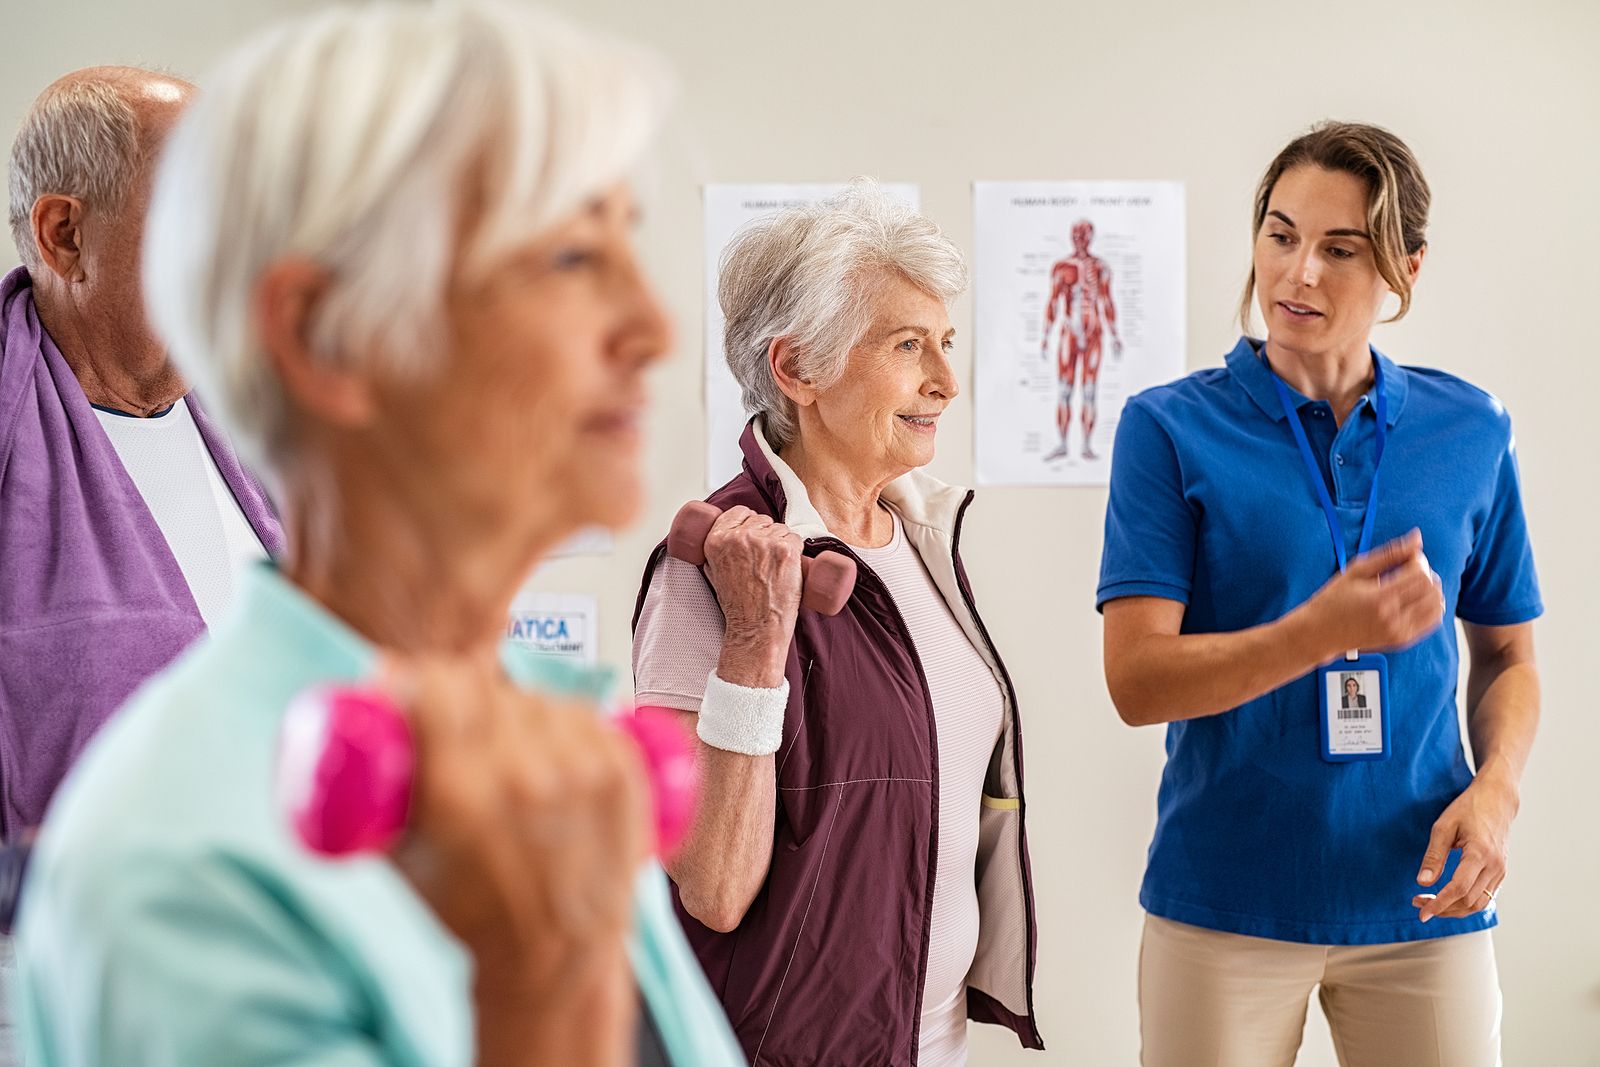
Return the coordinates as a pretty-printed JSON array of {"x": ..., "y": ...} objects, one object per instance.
[{"x": 1211, "y": 506}]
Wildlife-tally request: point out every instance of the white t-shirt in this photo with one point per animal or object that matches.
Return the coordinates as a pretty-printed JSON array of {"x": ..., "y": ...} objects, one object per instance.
[
  {"x": 672, "y": 660},
  {"x": 193, "y": 507}
]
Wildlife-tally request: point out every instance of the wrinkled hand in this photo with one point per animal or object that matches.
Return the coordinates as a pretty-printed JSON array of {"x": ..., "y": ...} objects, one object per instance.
[
  {"x": 753, "y": 563},
  {"x": 1387, "y": 599},
  {"x": 1478, "y": 822}
]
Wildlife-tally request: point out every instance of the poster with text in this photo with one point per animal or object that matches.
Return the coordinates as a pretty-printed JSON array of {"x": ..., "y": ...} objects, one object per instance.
[
  {"x": 1079, "y": 294},
  {"x": 728, "y": 209},
  {"x": 555, "y": 624}
]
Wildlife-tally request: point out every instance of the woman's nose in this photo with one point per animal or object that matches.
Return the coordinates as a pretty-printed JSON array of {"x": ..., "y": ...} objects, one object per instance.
[
  {"x": 1307, "y": 270},
  {"x": 649, "y": 334},
  {"x": 942, "y": 378}
]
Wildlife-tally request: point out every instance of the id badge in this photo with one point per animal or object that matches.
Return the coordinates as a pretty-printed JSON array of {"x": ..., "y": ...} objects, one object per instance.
[{"x": 1355, "y": 709}]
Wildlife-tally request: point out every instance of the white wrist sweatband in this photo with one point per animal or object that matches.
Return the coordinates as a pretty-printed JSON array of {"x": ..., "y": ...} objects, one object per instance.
[{"x": 736, "y": 718}]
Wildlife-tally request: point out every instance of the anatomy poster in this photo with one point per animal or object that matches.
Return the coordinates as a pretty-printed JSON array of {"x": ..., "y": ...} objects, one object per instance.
[
  {"x": 556, "y": 624},
  {"x": 1079, "y": 291},
  {"x": 728, "y": 209}
]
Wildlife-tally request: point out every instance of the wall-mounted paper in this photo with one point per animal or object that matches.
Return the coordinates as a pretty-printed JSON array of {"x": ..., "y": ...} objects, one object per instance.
[
  {"x": 1079, "y": 288},
  {"x": 591, "y": 541},
  {"x": 556, "y": 624},
  {"x": 729, "y": 208}
]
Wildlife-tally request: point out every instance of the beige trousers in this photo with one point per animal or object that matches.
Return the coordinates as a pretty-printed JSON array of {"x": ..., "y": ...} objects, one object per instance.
[{"x": 1213, "y": 999}]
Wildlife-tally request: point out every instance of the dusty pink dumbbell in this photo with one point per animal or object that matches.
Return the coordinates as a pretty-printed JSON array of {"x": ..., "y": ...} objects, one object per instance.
[
  {"x": 828, "y": 580},
  {"x": 346, "y": 763}
]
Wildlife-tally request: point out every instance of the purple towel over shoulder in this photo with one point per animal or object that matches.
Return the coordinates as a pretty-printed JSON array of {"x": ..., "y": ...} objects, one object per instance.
[{"x": 92, "y": 602}]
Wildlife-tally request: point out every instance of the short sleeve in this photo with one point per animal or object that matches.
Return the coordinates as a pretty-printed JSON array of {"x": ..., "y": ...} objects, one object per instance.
[
  {"x": 1150, "y": 528},
  {"x": 187, "y": 963},
  {"x": 678, "y": 639},
  {"x": 1499, "y": 586}
]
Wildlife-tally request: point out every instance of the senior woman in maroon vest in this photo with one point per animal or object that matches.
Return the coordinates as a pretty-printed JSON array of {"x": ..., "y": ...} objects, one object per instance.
[{"x": 857, "y": 883}]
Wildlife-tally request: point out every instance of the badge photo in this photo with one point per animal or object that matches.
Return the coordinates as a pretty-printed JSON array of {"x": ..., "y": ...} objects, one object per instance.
[{"x": 1355, "y": 709}]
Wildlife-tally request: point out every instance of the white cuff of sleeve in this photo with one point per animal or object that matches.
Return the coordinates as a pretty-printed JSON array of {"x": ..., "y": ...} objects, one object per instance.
[{"x": 736, "y": 718}]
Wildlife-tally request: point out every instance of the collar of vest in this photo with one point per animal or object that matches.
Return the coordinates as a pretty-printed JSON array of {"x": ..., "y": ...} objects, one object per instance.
[{"x": 921, "y": 499}]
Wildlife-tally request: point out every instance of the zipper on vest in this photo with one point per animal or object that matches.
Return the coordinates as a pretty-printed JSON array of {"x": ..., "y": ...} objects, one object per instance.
[{"x": 1016, "y": 755}]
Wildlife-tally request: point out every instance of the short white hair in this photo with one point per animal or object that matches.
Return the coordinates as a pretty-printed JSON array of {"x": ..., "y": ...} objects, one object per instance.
[
  {"x": 351, "y": 138},
  {"x": 807, "y": 274},
  {"x": 81, "y": 139}
]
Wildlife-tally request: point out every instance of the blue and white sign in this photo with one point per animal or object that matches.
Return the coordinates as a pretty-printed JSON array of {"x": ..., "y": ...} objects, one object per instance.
[{"x": 555, "y": 624}]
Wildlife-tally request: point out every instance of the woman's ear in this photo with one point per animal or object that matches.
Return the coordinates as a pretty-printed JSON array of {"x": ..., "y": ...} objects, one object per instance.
[
  {"x": 1414, "y": 263},
  {"x": 285, "y": 301},
  {"x": 781, "y": 361}
]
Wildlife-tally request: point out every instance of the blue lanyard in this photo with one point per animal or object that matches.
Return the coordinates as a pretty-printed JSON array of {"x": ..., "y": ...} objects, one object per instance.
[{"x": 1317, "y": 481}]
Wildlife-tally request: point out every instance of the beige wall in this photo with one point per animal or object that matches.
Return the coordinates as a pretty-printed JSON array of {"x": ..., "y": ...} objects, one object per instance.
[{"x": 1503, "y": 112}]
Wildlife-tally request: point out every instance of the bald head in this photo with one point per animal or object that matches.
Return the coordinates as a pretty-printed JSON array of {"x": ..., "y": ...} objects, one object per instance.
[
  {"x": 134, "y": 83},
  {"x": 91, "y": 137}
]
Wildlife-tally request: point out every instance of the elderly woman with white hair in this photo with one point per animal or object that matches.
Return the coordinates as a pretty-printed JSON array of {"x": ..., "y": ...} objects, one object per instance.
[
  {"x": 393, "y": 244},
  {"x": 857, "y": 882}
]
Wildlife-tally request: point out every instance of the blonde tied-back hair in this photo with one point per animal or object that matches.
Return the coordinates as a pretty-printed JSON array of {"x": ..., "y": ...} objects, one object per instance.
[{"x": 1398, "y": 198}]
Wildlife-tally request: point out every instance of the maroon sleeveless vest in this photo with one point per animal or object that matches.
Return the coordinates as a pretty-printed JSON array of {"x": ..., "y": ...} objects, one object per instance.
[{"x": 828, "y": 964}]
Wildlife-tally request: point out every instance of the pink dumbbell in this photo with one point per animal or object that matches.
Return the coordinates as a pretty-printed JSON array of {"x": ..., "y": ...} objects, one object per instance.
[
  {"x": 346, "y": 763},
  {"x": 828, "y": 580}
]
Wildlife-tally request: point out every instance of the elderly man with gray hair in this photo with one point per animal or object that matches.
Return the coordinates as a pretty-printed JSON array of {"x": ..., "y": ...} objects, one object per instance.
[
  {"x": 857, "y": 885},
  {"x": 123, "y": 511}
]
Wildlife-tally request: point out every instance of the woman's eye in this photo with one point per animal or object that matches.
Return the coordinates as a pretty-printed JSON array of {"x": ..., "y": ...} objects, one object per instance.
[
  {"x": 909, "y": 344},
  {"x": 949, "y": 346},
  {"x": 1278, "y": 238},
  {"x": 573, "y": 258},
  {"x": 1340, "y": 253}
]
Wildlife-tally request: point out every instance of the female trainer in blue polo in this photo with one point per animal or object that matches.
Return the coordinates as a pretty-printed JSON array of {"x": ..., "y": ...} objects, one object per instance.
[{"x": 1308, "y": 516}]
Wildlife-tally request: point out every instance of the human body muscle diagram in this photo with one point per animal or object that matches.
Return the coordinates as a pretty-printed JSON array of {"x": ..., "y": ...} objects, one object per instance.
[{"x": 1081, "y": 302}]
